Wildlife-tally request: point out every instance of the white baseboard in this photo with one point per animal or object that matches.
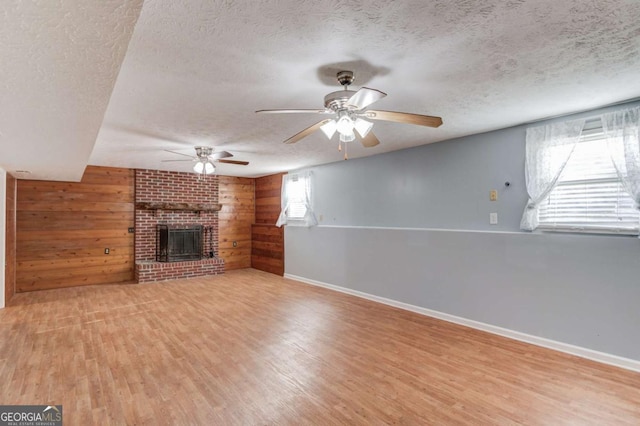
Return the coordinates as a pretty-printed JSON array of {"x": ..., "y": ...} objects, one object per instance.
[{"x": 617, "y": 361}]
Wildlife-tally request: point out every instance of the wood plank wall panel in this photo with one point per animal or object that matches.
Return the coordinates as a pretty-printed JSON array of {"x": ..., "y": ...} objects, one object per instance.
[
  {"x": 267, "y": 248},
  {"x": 267, "y": 240},
  {"x": 62, "y": 229},
  {"x": 268, "y": 191},
  {"x": 235, "y": 219},
  {"x": 10, "y": 241}
]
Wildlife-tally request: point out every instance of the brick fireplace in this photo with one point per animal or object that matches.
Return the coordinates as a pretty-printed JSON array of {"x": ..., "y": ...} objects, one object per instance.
[{"x": 165, "y": 198}]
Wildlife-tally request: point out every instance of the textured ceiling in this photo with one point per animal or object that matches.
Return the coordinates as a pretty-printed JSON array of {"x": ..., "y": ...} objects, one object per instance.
[
  {"x": 59, "y": 60},
  {"x": 196, "y": 71}
]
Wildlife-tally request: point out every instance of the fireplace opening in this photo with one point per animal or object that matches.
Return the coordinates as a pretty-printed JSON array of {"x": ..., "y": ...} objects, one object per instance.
[{"x": 175, "y": 243}]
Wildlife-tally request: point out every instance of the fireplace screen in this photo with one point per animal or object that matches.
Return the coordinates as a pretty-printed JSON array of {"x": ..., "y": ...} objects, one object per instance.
[{"x": 178, "y": 242}]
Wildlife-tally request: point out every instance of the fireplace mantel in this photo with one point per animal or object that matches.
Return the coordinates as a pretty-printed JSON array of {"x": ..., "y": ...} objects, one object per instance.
[{"x": 197, "y": 208}]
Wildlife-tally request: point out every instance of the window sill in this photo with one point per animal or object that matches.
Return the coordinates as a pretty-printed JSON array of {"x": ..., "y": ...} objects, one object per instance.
[
  {"x": 293, "y": 222},
  {"x": 588, "y": 230}
]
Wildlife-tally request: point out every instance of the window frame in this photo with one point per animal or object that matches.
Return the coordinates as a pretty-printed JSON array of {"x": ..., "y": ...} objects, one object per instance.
[{"x": 306, "y": 186}]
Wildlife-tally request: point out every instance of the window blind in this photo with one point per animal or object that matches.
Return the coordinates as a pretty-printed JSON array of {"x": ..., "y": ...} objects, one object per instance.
[{"x": 589, "y": 194}]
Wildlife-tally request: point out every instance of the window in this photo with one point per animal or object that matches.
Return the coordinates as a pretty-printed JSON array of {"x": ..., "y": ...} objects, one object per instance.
[
  {"x": 296, "y": 200},
  {"x": 589, "y": 195}
]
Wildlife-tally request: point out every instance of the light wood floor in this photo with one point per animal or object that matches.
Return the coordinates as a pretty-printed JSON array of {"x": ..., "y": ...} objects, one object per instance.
[{"x": 254, "y": 348}]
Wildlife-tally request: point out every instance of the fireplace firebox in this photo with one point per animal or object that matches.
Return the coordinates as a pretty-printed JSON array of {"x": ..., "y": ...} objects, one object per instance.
[{"x": 175, "y": 243}]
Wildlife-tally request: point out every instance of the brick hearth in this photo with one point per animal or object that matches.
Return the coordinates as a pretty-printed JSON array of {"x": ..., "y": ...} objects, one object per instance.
[{"x": 154, "y": 186}]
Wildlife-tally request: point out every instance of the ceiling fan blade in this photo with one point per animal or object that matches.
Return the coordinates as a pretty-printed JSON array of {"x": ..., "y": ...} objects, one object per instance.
[
  {"x": 370, "y": 140},
  {"x": 306, "y": 132},
  {"x": 294, "y": 111},
  {"x": 169, "y": 161},
  {"x": 219, "y": 155},
  {"x": 365, "y": 97},
  {"x": 404, "y": 117},
  {"x": 240, "y": 163},
  {"x": 179, "y": 153}
]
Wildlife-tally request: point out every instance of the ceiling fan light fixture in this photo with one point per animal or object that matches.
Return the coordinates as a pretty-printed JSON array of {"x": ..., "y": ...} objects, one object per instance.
[
  {"x": 204, "y": 167},
  {"x": 349, "y": 137},
  {"x": 345, "y": 125},
  {"x": 363, "y": 127},
  {"x": 329, "y": 128}
]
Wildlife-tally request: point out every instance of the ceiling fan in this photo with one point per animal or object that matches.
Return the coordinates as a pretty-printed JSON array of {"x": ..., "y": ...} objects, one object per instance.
[
  {"x": 205, "y": 157},
  {"x": 350, "y": 114}
]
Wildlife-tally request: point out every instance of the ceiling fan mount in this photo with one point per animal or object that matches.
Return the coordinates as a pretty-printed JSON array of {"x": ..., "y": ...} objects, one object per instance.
[
  {"x": 203, "y": 152},
  {"x": 345, "y": 78},
  {"x": 350, "y": 111},
  {"x": 339, "y": 100}
]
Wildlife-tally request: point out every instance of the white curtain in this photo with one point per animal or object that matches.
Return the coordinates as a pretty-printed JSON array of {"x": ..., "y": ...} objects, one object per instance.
[
  {"x": 622, "y": 130},
  {"x": 547, "y": 150},
  {"x": 284, "y": 201},
  {"x": 296, "y": 200}
]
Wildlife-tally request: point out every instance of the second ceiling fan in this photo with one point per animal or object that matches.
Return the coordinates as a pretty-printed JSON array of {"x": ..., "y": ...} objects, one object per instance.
[
  {"x": 350, "y": 115},
  {"x": 205, "y": 157}
]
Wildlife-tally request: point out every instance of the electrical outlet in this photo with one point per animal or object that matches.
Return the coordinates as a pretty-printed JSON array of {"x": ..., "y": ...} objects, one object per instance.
[
  {"x": 106, "y": 251},
  {"x": 493, "y": 195},
  {"x": 493, "y": 218},
  {"x": 131, "y": 230}
]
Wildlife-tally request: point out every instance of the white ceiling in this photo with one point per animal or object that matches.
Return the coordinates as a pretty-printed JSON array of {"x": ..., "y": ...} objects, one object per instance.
[
  {"x": 59, "y": 61},
  {"x": 195, "y": 72}
]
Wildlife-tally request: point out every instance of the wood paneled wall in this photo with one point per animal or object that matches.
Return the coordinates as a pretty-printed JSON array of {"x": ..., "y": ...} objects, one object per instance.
[
  {"x": 63, "y": 229},
  {"x": 234, "y": 220},
  {"x": 10, "y": 241},
  {"x": 267, "y": 240}
]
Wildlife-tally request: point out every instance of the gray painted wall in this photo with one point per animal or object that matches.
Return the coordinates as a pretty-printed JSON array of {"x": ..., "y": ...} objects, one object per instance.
[
  {"x": 444, "y": 185},
  {"x": 577, "y": 289}
]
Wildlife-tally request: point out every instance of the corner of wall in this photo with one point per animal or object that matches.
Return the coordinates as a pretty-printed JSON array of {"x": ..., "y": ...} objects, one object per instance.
[{"x": 267, "y": 240}]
